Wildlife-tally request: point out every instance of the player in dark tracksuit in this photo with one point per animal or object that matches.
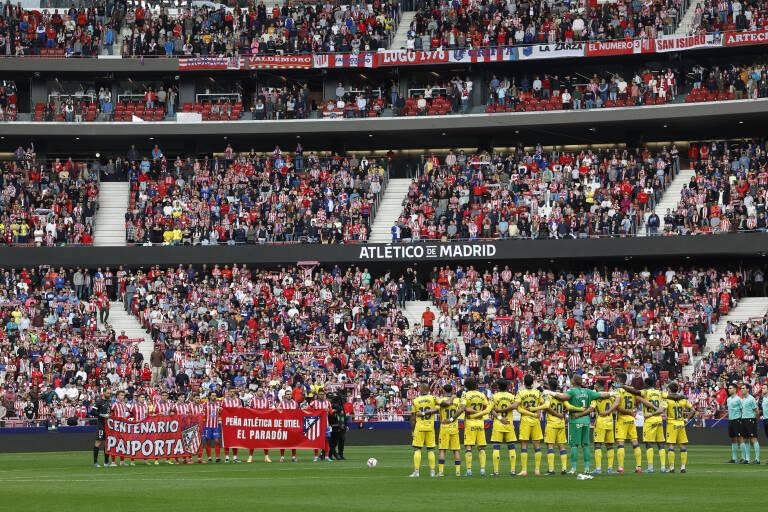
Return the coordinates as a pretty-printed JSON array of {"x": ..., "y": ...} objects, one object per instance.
[{"x": 101, "y": 410}]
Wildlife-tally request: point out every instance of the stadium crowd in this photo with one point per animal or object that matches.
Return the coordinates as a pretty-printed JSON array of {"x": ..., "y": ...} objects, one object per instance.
[
  {"x": 536, "y": 194},
  {"x": 252, "y": 198},
  {"x": 296, "y": 329},
  {"x": 46, "y": 202},
  {"x": 727, "y": 192}
]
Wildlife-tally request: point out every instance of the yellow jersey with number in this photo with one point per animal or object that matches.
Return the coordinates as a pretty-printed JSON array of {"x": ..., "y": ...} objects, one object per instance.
[
  {"x": 676, "y": 412},
  {"x": 500, "y": 400},
  {"x": 474, "y": 402},
  {"x": 603, "y": 405},
  {"x": 421, "y": 404},
  {"x": 448, "y": 414},
  {"x": 657, "y": 398},
  {"x": 626, "y": 401},
  {"x": 530, "y": 399}
]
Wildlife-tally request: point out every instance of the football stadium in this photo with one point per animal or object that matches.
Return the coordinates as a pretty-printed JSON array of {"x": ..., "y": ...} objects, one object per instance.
[{"x": 386, "y": 255}]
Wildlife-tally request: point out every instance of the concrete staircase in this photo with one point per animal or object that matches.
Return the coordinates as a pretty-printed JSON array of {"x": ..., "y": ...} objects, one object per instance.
[
  {"x": 669, "y": 199},
  {"x": 414, "y": 309},
  {"x": 109, "y": 224},
  {"x": 121, "y": 320},
  {"x": 389, "y": 210},
  {"x": 401, "y": 36},
  {"x": 686, "y": 24},
  {"x": 746, "y": 308}
]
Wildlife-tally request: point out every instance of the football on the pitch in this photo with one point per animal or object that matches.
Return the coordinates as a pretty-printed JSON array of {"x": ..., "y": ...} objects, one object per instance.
[{"x": 372, "y": 462}]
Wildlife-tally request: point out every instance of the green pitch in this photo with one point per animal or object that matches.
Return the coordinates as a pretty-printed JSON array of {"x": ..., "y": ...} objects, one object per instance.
[{"x": 67, "y": 482}]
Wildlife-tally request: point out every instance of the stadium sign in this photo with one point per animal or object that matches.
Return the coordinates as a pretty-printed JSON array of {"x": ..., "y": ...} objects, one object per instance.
[
  {"x": 457, "y": 250},
  {"x": 551, "y": 51}
]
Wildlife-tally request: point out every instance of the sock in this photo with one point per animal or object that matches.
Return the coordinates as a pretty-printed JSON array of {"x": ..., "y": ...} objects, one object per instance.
[
  {"x": 649, "y": 456},
  {"x": 598, "y": 458},
  {"x": 217, "y": 448},
  {"x": 537, "y": 459},
  {"x": 416, "y": 459},
  {"x": 683, "y": 457},
  {"x": 638, "y": 456},
  {"x": 574, "y": 457},
  {"x": 621, "y": 453},
  {"x": 610, "y": 457},
  {"x": 457, "y": 463},
  {"x": 671, "y": 458},
  {"x": 523, "y": 459},
  {"x": 496, "y": 458},
  {"x": 550, "y": 459},
  {"x": 106, "y": 458},
  {"x": 316, "y": 451},
  {"x": 482, "y": 460},
  {"x": 734, "y": 451},
  {"x": 756, "y": 447},
  {"x": 512, "y": 457},
  {"x": 745, "y": 451},
  {"x": 431, "y": 460},
  {"x": 95, "y": 454},
  {"x": 440, "y": 466},
  {"x": 468, "y": 460},
  {"x": 208, "y": 451},
  {"x": 282, "y": 453},
  {"x": 563, "y": 460},
  {"x": 662, "y": 458},
  {"x": 587, "y": 457},
  {"x": 234, "y": 453}
]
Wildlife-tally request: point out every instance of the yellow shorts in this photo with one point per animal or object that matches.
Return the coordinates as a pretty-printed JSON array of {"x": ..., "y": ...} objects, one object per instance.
[
  {"x": 449, "y": 440},
  {"x": 555, "y": 435},
  {"x": 530, "y": 431},
  {"x": 498, "y": 436},
  {"x": 474, "y": 435},
  {"x": 676, "y": 434},
  {"x": 604, "y": 434},
  {"x": 626, "y": 429},
  {"x": 424, "y": 439},
  {"x": 653, "y": 432}
]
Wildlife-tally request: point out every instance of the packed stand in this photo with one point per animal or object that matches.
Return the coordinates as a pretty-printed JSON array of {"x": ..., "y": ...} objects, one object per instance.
[
  {"x": 727, "y": 15},
  {"x": 73, "y": 32},
  {"x": 551, "y": 92},
  {"x": 252, "y": 198},
  {"x": 534, "y": 194},
  {"x": 728, "y": 192},
  {"x": 443, "y": 24},
  {"x": 651, "y": 322},
  {"x": 257, "y": 30},
  {"x": 47, "y": 203},
  {"x": 56, "y": 346}
]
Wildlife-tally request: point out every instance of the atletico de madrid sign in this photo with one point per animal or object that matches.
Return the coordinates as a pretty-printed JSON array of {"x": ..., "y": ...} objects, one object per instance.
[{"x": 273, "y": 428}]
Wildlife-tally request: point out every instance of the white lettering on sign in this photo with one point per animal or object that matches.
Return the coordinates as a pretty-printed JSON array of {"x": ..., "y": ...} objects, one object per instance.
[{"x": 417, "y": 252}]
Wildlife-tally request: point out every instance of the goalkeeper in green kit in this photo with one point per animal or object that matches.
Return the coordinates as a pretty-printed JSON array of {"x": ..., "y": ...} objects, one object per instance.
[{"x": 578, "y": 422}]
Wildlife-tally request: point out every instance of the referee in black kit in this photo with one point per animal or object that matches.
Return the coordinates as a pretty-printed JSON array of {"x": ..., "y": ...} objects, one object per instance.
[{"x": 101, "y": 410}]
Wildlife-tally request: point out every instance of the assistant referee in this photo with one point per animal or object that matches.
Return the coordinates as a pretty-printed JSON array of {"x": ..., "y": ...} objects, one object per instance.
[{"x": 734, "y": 424}]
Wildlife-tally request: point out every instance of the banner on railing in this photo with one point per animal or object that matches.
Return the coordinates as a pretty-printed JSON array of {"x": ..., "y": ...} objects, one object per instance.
[
  {"x": 410, "y": 57},
  {"x": 156, "y": 437},
  {"x": 619, "y": 47},
  {"x": 199, "y": 63},
  {"x": 745, "y": 38},
  {"x": 551, "y": 51},
  {"x": 497, "y": 54},
  {"x": 681, "y": 43},
  {"x": 277, "y": 62},
  {"x": 273, "y": 428}
]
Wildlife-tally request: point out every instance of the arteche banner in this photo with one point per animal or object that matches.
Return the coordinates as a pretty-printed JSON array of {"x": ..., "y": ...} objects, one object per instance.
[{"x": 156, "y": 437}]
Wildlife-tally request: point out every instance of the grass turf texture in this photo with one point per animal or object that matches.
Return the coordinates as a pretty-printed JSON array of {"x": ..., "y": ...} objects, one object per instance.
[{"x": 67, "y": 481}]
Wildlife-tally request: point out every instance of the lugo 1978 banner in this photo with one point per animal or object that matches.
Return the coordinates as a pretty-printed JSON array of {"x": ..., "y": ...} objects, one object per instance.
[
  {"x": 156, "y": 437},
  {"x": 271, "y": 428}
]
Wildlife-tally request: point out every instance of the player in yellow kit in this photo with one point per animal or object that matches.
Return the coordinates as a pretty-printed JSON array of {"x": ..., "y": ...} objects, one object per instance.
[
  {"x": 604, "y": 428},
  {"x": 625, "y": 423},
  {"x": 476, "y": 407},
  {"x": 653, "y": 426},
  {"x": 423, "y": 411},
  {"x": 450, "y": 410},
  {"x": 678, "y": 413},
  {"x": 555, "y": 431},
  {"x": 531, "y": 404},
  {"x": 503, "y": 406}
]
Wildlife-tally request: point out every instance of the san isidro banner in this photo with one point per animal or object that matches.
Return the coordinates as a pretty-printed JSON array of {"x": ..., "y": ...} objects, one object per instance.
[
  {"x": 272, "y": 428},
  {"x": 156, "y": 437}
]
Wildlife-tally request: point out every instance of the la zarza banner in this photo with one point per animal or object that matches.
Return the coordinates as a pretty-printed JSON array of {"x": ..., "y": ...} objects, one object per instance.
[
  {"x": 156, "y": 437},
  {"x": 273, "y": 428}
]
